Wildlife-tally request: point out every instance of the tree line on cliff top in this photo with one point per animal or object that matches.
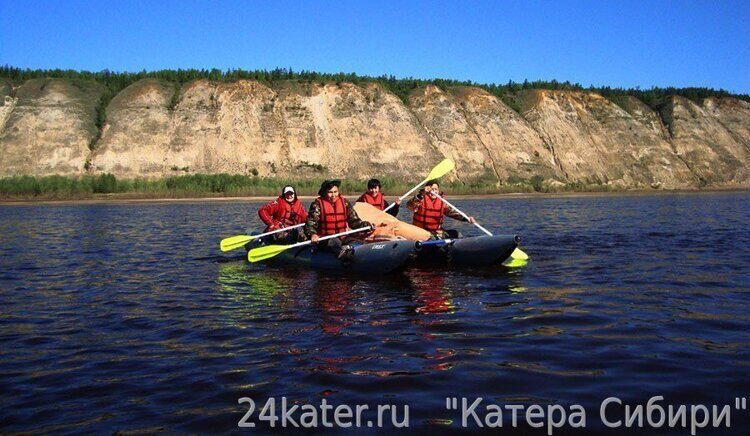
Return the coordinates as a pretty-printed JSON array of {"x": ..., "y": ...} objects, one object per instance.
[{"x": 117, "y": 81}]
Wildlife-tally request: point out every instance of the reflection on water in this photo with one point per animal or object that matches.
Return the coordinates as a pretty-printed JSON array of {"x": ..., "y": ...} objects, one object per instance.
[
  {"x": 430, "y": 294},
  {"x": 126, "y": 317}
]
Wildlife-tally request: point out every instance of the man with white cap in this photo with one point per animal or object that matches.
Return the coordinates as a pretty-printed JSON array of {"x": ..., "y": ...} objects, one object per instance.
[{"x": 285, "y": 211}]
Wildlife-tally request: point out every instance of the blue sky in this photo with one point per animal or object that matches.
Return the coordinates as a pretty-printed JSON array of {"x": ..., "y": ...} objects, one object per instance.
[{"x": 607, "y": 42}]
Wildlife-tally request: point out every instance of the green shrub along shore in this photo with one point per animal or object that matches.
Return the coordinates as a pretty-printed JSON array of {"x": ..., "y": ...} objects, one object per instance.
[{"x": 229, "y": 185}]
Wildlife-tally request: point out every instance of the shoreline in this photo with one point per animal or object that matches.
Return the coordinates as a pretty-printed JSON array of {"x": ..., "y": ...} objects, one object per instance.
[{"x": 119, "y": 199}]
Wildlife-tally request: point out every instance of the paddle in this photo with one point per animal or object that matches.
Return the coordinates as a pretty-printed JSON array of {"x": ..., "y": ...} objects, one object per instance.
[
  {"x": 268, "y": 251},
  {"x": 233, "y": 242},
  {"x": 517, "y": 254},
  {"x": 439, "y": 171},
  {"x": 238, "y": 241}
]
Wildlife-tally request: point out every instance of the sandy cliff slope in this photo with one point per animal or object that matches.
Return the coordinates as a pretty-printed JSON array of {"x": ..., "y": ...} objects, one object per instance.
[
  {"x": 482, "y": 135},
  {"x": 711, "y": 138},
  {"x": 595, "y": 140},
  {"x": 47, "y": 127},
  {"x": 155, "y": 128}
]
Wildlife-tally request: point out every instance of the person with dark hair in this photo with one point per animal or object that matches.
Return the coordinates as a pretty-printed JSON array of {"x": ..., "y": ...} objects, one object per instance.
[
  {"x": 285, "y": 211},
  {"x": 375, "y": 197},
  {"x": 429, "y": 211},
  {"x": 330, "y": 214}
]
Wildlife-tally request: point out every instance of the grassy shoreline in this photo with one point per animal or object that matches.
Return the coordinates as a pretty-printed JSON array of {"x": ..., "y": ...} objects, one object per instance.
[
  {"x": 230, "y": 185},
  {"x": 224, "y": 187},
  {"x": 118, "y": 199}
]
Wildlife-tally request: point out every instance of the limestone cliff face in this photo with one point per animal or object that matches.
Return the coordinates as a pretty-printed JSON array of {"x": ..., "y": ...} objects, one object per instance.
[
  {"x": 244, "y": 127},
  {"x": 154, "y": 129},
  {"x": 596, "y": 140},
  {"x": 642, "y": 113},
  {"x": 733, "y": 115},
  {"x": 713, "y": 138},
  {"x": 7, "y": 103},
  {"x": 515, "y": 148},
  {"x": 449, "y": 131},
  {"x": 47, "y": 127},
  {"x": 358, "y": 131},
  {"x": 482, "y": 135},
  {"x": 228, "y": 128},
  {"x": 135, "y": 140}
]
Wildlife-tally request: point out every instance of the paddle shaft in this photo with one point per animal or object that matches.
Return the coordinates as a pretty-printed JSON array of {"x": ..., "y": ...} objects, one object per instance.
[
  {"x": 233, "y": 242},
  {"x": 444, "y": 167},
  {"x": 401, "y": 198},
  {"x": 348, "y": 232},
  {"x": 466, "y": 216},
  {"x": 517, "y": 253},
  {"x": 282, "y": 229}
]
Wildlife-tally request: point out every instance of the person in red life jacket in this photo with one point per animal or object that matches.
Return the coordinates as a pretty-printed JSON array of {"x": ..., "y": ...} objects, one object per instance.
[
  {"x": 429, "y": 211},
  {"x": 329, "y": 214},
  {"x": 375, "y": 197},
  {"x": 285, "y": 211}
]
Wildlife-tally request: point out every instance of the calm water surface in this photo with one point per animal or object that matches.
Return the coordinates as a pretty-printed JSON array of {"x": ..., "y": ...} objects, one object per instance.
[{"x": 127, "y": 316}]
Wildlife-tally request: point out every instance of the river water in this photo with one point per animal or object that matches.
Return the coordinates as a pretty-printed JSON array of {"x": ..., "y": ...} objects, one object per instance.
[{"x": 128, "y": 317}]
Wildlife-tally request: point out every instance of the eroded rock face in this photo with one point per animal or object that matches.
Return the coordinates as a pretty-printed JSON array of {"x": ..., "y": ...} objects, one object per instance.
[
  {"x": 642, "y": 113},
  {"x": 482, "y": 135},
  {"x": 733, "y": 115},
  {"x": 227, "y": 128},
  {"x": 712, "y": 139},
  {"x": 516, "y": 150},
  {"x": 7, "y": 103},
  {"x": 597, "y": 141},
  {"x": 246, "y": 127},
  {"x": 152, "y": 129},
  {"x": 450, "y": 132},
  {"x": 48, "y": 126},
  {"x": 136, "y": 137},
  {"x": 362, "y": 131}
]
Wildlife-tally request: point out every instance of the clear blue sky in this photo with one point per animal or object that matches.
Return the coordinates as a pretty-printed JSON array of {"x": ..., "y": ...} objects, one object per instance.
[{"x": 609, "y": 42}]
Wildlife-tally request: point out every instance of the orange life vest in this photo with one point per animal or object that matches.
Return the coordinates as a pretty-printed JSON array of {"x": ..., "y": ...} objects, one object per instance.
[
  {"x": 332, "y": 216},
  {"x": 429, "y": 216},
  {"x": 377, "y": 201}
]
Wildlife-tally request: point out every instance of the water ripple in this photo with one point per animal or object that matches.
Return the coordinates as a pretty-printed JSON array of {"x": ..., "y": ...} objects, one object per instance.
[{"x": 127, "y": 318}]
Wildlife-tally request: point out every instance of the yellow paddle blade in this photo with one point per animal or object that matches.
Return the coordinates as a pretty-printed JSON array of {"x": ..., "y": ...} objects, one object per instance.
[
  {"x": 263, "y": 253},
  {"x": 518, "y": 254},
  {"x": 441, "y": 169},
  {"x": 234, "y": 242},
  {"x": 514, "y": 263}
]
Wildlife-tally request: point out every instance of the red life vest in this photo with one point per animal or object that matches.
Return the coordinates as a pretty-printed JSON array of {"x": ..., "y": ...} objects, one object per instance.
[
  {"x": 377, "y": 201},
  {"x": 280, "y": 211},
  {"x": 286, "y": 210},
  {"x": 429, "y": 216},
  {"x": 332, "y": 216}
]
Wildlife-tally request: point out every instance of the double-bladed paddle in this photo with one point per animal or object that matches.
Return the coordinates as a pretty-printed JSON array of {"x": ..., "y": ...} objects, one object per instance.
[
  {"x": 268, "y": 251},
  {"x": 261, "y": 253},
  {"x": 439, "y": 171},
  {"x": 238, "y": 241},
  {"x": 517, "y": 254},
  {"x": 234, "y": 242}
]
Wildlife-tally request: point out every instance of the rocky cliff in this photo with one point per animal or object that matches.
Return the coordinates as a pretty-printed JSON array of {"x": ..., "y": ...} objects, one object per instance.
[
  {"x": 48, "y": 126},
  {"x": 597, "y": 141},
  {"x": 712, "y": 138},
  {"x": 290, "y": 129}
]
